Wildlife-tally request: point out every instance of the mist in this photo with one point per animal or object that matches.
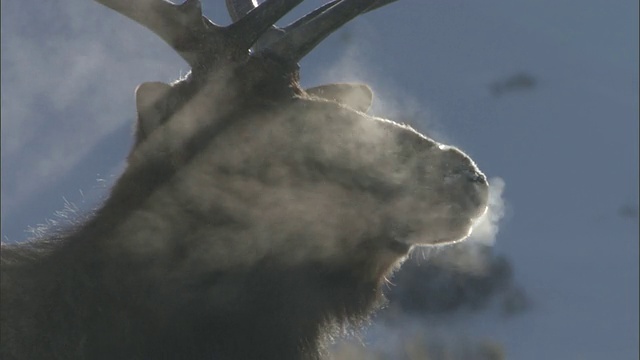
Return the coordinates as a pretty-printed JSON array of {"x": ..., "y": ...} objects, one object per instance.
[
  {"x": 327, "y": 215},
  {"x": 392, "y": 101}
]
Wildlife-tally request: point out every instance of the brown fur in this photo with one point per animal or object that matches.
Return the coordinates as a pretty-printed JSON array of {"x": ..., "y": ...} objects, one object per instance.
[{"x": 253, "y": 221}]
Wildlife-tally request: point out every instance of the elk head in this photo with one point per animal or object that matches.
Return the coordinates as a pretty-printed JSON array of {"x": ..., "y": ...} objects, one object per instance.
[
  {"x": 305, "y": 175},
  {"x": 252, "y": 216},
  {"x": 238, "y": 170}
]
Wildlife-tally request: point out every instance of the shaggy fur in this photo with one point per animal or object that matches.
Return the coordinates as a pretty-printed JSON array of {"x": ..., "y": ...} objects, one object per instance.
[{"x": 254, "y": 221}]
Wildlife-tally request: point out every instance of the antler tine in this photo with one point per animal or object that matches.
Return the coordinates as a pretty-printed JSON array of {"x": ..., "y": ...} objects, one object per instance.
[
  {"x": 250, "y": 27},
  {"x": 312, "y": 15},
  {"x": 379, "y": 4},
  {"x": 297, "y": 43},
  {"x": 239, "y": 8},
  {"x": 181, "y": 26}
]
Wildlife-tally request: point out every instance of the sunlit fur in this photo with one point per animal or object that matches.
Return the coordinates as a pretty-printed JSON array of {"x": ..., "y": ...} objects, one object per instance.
[{"x": 252, "y": 221}]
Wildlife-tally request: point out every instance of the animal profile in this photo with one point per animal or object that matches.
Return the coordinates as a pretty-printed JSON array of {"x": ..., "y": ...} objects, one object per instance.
[{"x": 254, "y": 220}]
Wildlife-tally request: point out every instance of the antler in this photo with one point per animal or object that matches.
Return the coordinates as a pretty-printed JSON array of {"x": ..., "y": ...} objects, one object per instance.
[
  {"x": 306, "y": 34},
  {"x": 180, "y": 26},
  {"x": 196, "y": 38},
  {"x": 199, "y": 41},
  {"x": 239, "y": 8}
]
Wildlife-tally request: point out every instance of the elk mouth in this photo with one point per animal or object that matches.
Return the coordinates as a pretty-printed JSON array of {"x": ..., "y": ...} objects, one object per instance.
[{"x": 453, "y": 222}]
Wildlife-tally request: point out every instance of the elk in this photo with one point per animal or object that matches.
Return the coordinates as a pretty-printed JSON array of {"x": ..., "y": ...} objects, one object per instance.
[{"x": 254, "y": 219}]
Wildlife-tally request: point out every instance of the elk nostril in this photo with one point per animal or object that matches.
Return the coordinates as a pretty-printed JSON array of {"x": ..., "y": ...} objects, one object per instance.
[
  {"x": 464, "y": 167},
  {"x": 476, "y": 177},
  {"x": 480, "y": 186},
  {"x": 469, "y": 173}
]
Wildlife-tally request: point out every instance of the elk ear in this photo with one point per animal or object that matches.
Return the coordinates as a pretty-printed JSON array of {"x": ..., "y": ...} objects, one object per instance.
[
  {"x": 355, "y": 96},
  {"x": 153, "y": 105}
]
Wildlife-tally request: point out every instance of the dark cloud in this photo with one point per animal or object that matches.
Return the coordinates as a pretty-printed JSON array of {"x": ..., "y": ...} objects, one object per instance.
[
  {"x": 628, "y": 211},
  {"x": 517, "y": 82},
  {"x": 466, "y": 276}
]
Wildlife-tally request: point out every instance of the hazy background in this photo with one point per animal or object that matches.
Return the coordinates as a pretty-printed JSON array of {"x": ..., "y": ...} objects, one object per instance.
[{"x": 543, "y": 95}]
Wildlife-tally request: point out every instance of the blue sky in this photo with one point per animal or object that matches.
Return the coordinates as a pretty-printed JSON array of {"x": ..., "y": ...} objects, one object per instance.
[{"x": 567, "y": 148}]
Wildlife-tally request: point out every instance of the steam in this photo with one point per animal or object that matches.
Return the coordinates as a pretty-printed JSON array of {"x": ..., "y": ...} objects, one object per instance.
[
  {"x": 397, "y": 104},
  {"x": 486, "y": 227}
]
